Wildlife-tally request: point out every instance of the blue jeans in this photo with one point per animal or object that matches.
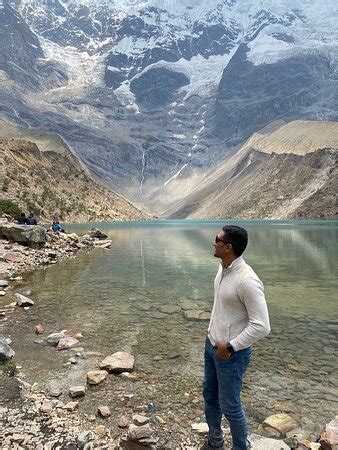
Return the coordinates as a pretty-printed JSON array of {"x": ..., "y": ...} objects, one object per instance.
[{"x": 222, "y": 395}]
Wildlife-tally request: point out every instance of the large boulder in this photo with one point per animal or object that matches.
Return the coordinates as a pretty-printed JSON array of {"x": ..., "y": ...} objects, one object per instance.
[
  {"x": 31, "y": 235},
  {"x": 5, "y": 350},
  {"x": 97, "y": 234}
]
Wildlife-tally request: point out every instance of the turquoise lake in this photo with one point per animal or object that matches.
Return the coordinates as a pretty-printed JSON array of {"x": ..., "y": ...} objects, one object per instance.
[{"x": 115, "y": 298}]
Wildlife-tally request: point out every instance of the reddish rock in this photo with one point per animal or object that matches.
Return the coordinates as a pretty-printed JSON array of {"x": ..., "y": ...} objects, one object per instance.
[
  {"x": 46, "y": 408},
  {"x": 122, "y": 422},
  {"x": 39, "y": 329},
  {"x": 10, "y": 257},
  {"x": 329, "y": 440}
]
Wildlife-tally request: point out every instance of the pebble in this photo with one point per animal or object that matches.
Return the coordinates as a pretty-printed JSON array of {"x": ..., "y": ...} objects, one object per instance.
[
  {"x": 101, "y": 430},
  {"x": 77, "y": 391},
  {"x": 104, "y": 411},
  {"x": 38, "y": 329},
  {"x": 140, "y": 420},
  {"x": 122, "y": 422},
  {"x": 96, "y": 376},
  {"x": 56, "y": 392},
  {"x": 71, "y": 406}
]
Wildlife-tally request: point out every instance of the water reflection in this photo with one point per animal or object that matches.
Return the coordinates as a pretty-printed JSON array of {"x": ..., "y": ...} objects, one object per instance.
[{"x": 115, "y": 298}]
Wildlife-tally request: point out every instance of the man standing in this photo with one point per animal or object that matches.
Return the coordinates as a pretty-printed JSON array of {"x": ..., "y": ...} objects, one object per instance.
[{"x": 239, "y": 318}]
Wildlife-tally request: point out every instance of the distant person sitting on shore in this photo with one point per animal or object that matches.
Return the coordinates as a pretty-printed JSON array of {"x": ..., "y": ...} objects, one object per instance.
[
  {"x": 22, "y": 220},
  {"x": 57, "y": 227},
  {"x": 31, "y": 220}
]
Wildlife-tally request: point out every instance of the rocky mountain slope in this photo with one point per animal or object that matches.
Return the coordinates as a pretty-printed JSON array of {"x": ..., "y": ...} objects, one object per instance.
[
  {"x": 40, "y": 173},
  {"x": 288, "y": 173},
  {"x": 152, "y": 94}
]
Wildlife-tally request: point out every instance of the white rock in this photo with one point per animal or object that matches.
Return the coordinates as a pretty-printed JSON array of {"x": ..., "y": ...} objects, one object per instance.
[
  {"x": 201, "y": 428},
  {"x": 21, "y": 300},
  {"x": 262, "y": 443},
  {"x": 54, "y": 338}
]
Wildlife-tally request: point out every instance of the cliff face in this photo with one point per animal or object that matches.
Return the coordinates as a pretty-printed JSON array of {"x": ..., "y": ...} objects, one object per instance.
[
  {"x": 54, "y": 185},
  {"x": 290, "y": 173}
]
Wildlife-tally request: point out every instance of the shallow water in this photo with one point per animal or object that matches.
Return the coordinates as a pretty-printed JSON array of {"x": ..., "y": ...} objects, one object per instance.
[{"x": 113, "y": 297}]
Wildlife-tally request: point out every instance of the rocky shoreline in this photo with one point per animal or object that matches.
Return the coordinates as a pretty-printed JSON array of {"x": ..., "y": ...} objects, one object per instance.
[{"x": 41, "y": 418}]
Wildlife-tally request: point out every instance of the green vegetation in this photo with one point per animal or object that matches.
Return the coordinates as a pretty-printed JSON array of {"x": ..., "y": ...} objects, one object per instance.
[
  {"x": 23, "y": 180},
  {"x": 8, "y": 364},
  {"x": 5, "y": 184},
  {"x": 9, "y": 207}
]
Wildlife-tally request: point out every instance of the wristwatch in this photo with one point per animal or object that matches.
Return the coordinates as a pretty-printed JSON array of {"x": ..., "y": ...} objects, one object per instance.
[{"x": 230, "y": 348}]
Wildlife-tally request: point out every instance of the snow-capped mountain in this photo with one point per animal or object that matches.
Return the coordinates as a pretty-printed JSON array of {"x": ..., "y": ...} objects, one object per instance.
[{"x": 150, "y": 93}]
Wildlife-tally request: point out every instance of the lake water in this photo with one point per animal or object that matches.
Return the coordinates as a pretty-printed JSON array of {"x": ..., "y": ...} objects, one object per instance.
[{"x": 115, "y": 298}]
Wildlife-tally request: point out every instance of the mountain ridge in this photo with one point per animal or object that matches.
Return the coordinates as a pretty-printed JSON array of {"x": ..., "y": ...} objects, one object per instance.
[{"x": 151, "y": 98}]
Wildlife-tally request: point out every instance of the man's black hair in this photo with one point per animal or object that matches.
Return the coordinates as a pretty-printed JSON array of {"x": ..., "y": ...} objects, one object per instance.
[{"x": 237, "y": 237}]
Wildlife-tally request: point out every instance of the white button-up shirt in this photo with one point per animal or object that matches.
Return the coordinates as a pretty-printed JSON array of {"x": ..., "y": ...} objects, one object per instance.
[{"x": 240, "y": 314}]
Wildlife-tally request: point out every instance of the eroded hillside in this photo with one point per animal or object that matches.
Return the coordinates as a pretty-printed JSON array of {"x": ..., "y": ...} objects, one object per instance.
[
  {"x": 289, "y": 173},
  {"x": 54, "y": 185}
]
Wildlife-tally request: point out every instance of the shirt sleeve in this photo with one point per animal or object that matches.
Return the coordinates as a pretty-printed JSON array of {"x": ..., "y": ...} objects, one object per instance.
[{"x": 251, "y": 293}]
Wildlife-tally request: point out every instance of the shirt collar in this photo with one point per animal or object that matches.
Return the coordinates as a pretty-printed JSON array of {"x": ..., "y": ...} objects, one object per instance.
[{"x": 235, "y": 264}]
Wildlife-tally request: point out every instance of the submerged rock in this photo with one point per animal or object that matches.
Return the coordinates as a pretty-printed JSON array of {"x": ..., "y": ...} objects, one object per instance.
[
  {"x": 192, "y": 314},
  {"x": 21, "y": 300},
  {"x": 118, "y": 362},
  {"x": 6, "y": 352},
  {"x": 54, "y": 338},
  {"x": 281, "y": 422},
  {"x": 66, "y": 343},
  {"x": 169, "y": 309},
  {"x": 39, "y": 329},
  {"x": 97, "y": 234}
]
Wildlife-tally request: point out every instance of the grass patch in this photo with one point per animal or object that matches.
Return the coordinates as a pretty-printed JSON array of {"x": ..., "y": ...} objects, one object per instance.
[{"x": 9, "y": 207}]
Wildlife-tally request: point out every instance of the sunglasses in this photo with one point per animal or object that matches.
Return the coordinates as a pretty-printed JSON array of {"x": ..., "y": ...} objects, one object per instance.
[{"x": 217, "y": 239}]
